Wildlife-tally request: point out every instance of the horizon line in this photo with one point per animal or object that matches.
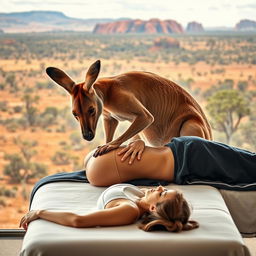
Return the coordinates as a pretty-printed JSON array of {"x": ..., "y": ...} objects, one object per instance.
[{"x": 123, "y": 18}]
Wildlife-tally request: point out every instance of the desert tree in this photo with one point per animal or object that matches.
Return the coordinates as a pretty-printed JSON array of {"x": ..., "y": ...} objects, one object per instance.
[
  {"x": 227, "y": 108},
  {"x": 48, "y": 117},
  {"x": 30, "y": 111},
  {"x": 11, "y": 81},
  {"x": 61, "y": 158},
  {"x": 21, "y": 169}
]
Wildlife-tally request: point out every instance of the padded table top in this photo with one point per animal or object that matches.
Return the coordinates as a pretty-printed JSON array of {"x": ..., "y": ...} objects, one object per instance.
[{"x": 217, "y": 234}]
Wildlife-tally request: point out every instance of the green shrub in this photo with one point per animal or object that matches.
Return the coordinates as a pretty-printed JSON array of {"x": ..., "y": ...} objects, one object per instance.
[
  {"x": 2, "y": 86},
  {"x": 7, "y": 192},
  {"x": 3, "y": 106},
  {"x": 17, "y": 109},
  {"x": 63, "y": 143},
  {"x": 61, "y": 158}
]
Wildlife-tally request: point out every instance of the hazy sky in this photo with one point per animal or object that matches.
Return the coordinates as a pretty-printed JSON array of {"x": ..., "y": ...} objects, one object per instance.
[{"x": 209, "y": 12}]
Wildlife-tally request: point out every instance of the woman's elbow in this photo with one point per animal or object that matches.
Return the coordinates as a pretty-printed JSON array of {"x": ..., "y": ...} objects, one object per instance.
[{"x": 77, "y": 222}]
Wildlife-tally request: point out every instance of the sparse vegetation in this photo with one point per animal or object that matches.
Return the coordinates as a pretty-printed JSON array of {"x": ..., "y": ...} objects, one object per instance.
[
  {"x": 21, "y": 168},
  {"x": 37, "y": 110},
  {"x": 61, "y": 158},
  {"x": 5, "y": 192}
]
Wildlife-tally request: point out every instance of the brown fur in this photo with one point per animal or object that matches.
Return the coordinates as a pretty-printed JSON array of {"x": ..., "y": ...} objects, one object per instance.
[{"x": 155, "y": 106}]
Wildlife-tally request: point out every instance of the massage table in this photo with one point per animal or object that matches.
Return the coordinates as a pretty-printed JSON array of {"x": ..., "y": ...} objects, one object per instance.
[{"x": 216, "y": 235}]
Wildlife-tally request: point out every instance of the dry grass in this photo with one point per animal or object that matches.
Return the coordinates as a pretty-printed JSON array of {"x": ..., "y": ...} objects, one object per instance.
[{"x": 48, "y": 143}]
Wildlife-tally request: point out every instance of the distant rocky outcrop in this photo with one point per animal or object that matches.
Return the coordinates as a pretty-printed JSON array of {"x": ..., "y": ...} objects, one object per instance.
[
  {"x": 152, "y": 26},
  {"x": 246, "y": 25},
  {"x": 194, "y": 27},
  {"x": 38, "y": 21},
  {"x": 41, "y": 21},
  {"x": 8, "y": 42},
  {"x": 166, "y": 42}
]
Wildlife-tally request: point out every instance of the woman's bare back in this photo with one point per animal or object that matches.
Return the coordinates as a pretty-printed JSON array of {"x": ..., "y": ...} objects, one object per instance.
[{"x": 108, "y": 169}]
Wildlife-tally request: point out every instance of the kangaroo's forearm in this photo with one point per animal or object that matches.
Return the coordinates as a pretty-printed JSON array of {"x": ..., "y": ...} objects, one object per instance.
[
  {"x": 139, "y": 124},
  {"x": 110, "y": 125}
]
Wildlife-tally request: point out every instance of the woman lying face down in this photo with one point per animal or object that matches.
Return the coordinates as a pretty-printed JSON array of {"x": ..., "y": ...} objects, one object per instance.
[
  {"x": 185, "y": 160},
  {"x": 156, "y": 208},
  {"x": 112, "y": 167}
]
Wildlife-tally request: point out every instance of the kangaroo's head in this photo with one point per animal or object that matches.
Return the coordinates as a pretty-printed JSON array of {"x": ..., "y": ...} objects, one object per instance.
[{"x": 86, "y": 105}]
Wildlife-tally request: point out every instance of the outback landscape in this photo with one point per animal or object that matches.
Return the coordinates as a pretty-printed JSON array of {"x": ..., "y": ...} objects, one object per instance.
[{"x": 38, "y": 134}]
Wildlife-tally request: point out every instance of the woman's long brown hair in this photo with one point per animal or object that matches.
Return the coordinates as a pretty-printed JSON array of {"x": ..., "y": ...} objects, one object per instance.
[{"x": 171, "y": 215}]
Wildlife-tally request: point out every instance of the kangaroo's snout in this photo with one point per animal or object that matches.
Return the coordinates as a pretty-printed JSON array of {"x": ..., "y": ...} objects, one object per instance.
[{"x": 88, "y": 135}]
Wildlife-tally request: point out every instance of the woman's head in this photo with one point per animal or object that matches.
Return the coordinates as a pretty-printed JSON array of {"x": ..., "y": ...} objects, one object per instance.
[
  {"x": 168, "y": 209},
  {"x": 157, "y": 195}
]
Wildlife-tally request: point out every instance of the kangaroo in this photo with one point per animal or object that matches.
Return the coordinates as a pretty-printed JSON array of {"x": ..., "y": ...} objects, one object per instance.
[{"x": 156, "y": 107}]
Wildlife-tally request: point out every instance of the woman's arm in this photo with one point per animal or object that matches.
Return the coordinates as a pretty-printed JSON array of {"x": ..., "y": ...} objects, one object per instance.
[{"x": 122, "y": 214}]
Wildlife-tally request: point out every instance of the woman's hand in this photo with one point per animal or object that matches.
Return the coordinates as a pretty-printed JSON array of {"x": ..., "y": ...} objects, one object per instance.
[
  {"x": 133, "y": 149},
  {"x": 26, "y": 219}
]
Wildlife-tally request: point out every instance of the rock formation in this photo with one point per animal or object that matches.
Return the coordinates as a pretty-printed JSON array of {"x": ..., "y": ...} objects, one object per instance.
[
  {"x": 246, "y": 25},
  {"x": 194, "y": 27},
  {"x": 152, "y": 26}
]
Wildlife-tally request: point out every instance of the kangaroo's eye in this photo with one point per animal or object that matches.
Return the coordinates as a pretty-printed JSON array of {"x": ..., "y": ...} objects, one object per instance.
[{"x": 91, "y": 110}]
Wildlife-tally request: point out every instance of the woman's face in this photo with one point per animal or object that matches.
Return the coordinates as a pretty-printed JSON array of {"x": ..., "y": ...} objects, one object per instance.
[{"x": 158, "y": 195}]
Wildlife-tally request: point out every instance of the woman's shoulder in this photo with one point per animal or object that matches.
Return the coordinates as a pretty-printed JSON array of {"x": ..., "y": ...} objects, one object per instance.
[
  {"x": 124, "y": 213},
  {"x": 126, "y": 205},
  {"x": 130, "y": 208}
]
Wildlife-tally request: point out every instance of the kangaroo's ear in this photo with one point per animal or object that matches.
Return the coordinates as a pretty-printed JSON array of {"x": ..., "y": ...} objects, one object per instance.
[
  {"x": 92, "y": 75},
  {"x": 60, "y": 78}
]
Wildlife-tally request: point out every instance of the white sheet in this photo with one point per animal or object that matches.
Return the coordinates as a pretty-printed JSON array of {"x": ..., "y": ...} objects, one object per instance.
[{"x": 217, "y": 234}]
